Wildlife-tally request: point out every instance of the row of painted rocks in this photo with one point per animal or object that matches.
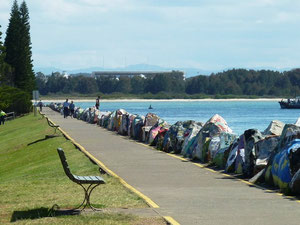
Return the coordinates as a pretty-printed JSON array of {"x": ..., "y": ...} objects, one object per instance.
[{"x": 271, "y": 156}]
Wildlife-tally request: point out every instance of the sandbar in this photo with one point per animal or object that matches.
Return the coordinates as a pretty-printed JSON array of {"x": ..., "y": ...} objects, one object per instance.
[{"x": 168, "y": 100}]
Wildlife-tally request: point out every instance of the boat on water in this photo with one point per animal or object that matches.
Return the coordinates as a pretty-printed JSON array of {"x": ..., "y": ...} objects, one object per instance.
[{"x": 290, "y": 103}]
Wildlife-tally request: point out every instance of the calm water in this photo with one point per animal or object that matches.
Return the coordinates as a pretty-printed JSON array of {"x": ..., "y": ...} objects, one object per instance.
[{"x": 240, "y": 115}]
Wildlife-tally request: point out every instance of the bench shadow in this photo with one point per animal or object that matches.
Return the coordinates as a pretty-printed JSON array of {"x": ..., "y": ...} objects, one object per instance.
[
  {"x": 41, "y": 213},
  {"x": 43, "y": 139}
]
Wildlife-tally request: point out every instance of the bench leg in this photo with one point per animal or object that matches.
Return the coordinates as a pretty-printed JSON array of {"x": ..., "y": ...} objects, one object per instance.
[{"x": 87, "y": 194}]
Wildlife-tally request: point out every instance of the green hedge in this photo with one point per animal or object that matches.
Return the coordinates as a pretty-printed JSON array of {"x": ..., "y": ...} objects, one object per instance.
[{"x": 14, "y": 100}]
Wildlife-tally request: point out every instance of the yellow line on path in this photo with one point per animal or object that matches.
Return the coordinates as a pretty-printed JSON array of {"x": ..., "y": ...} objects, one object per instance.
[
  {"x": 177, "y": 157},
  {"x": 143, "y": 144},
  {"x": 171, "y": 220},
  {"x": 199, "y": 165}
]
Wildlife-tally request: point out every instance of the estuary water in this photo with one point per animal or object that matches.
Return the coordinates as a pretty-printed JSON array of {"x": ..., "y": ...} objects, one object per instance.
[{"x": 240, "y": 115}]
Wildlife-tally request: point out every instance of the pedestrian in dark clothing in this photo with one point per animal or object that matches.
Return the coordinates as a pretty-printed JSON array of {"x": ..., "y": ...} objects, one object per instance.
[
  {"x": 72, "y": 109},
  {"x": 97, "y": 102},
  {"x": 40, "y": 104},
  {"x": 66, "y": 108}
]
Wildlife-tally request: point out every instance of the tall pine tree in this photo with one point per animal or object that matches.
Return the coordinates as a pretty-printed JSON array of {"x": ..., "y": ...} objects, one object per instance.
[
  {"x": 29, "y": 84},
  {"x": 2, "y": 55},
  {"x": 18, "y": 48},
  {"x": 11, "y": 42},
  {"x": 5, "y": 69}
]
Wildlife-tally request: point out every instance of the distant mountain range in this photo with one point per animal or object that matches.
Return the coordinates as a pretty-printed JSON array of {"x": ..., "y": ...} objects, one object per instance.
[
  {"x": 189, "y": 72},
  {"x": 138, "y": 67}
]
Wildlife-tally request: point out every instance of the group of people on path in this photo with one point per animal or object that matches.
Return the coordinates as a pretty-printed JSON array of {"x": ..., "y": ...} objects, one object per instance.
[{"x": 69, "y": 108}]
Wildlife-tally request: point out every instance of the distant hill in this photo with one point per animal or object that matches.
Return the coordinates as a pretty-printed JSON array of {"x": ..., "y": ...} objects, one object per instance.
[
  {"x": 47, "y": 70},
  {"x": 189, "y": 72}
]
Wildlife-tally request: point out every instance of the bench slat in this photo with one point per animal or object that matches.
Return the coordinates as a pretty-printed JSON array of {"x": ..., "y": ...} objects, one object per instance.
[{"x": 75, "y": 178}]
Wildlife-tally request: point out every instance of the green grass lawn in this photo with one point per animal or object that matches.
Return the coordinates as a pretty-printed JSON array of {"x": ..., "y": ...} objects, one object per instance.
[{"x": 32, "y": 179}]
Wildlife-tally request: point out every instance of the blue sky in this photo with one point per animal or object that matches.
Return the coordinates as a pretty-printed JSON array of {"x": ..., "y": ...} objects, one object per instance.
[{"x": 205, "y": 34}]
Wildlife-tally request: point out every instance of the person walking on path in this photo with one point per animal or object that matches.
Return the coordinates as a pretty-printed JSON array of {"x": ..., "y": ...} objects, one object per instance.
[
  {"x": 2, "y": 117},
  {"x": 97, "y": 102},
  {"x": 66, "y": 108},
  {"x": 72, "y": 109},
  {"x": 40, "y": 104}
]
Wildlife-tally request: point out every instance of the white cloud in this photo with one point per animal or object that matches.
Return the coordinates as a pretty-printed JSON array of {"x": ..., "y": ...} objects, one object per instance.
[
  {"x": 204, "y": 33},
  {"x": 68, "y": 12}
]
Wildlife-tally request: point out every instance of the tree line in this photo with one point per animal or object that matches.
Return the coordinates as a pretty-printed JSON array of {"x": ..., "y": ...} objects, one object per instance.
[
  {"x": 247, "y": 82},
  {"x": 17, "y": 78},
  {"x": 230, "y": 82},
  {"x": 57, "y": 82}
]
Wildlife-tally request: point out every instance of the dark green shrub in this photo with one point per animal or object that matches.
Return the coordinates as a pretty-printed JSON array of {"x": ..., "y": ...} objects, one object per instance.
[{"x": 14, "y": 100}]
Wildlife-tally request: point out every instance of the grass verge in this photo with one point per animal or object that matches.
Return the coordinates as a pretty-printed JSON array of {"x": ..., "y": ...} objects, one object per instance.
[{"x": 32, "y": 179}]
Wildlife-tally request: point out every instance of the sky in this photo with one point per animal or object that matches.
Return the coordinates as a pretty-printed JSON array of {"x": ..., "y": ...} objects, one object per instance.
[{"x": 205, "y": 34}]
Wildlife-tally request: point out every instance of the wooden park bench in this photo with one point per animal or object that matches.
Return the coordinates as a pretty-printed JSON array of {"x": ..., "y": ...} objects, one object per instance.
[
  {"x": 91, "y": 181},
  {"x": 50, "y": 123}
]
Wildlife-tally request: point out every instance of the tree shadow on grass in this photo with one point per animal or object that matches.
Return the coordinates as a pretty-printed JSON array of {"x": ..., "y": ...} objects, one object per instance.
[{"x": 41, "y": 213}]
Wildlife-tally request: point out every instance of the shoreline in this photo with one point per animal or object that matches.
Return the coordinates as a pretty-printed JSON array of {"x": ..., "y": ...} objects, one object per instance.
[{"x": 168, "y": 100}]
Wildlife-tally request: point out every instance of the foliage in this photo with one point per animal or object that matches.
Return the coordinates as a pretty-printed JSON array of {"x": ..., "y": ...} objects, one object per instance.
[
  {"x": 246, "y": 82},
  {"x": 235, "y": 82},
  {"x": 124, "y": 85},
  {"x": 10, "y": 43},
  {"x": 165, "y": 83},
  {"x": 41, "y": 80},
  {"x": 84, "y": 85},
  {"x": 5, "y": 69},
  {"x": 14, "y": 100},
  {"x": 28, "y": 73},
  {"x": 107, "y": 84},
  {"x": 57, "y": 82},
  {"x": 18, "y": 48},
  {"x": 137, "y": 85}
]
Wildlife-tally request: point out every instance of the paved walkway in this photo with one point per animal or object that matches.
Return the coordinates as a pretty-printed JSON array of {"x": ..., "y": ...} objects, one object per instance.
[{"x": 189, "y": 194}]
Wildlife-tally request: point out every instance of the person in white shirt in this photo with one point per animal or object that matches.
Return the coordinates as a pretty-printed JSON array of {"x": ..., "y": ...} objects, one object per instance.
[{"x": 66, "y": 108}]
